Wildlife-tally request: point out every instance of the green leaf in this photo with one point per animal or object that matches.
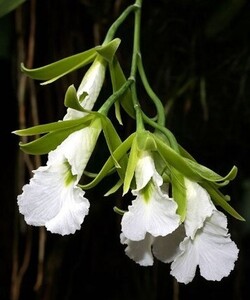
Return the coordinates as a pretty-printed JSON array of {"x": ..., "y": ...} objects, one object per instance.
[
  {"x": 108, "y": 51},
  {"x": 55, "y": 70},
  {"x": 118, "y": 79},
  {"x": 44, "y": 128},
  {"x": 6, "y": 6},
  {"x": 49, "y": 141}
]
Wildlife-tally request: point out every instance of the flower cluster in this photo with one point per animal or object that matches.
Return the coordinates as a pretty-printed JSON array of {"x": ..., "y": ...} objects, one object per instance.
[{"x": 173, "y": 216}]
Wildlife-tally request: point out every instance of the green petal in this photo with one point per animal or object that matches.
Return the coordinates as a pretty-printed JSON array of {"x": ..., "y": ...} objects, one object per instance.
[{"x": 71, "y": 99}]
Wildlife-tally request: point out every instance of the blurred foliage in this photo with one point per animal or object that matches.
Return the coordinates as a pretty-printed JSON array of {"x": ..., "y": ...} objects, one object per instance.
[
  {"x": 6, "y": 6},
  {"x": 197, "y": 58}
]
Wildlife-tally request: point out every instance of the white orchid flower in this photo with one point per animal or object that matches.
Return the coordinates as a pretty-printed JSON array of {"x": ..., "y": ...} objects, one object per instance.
[
  {"x": 89, "y": 89},
  {"x": 207, "y": 243},
  {"x": 52, "y": 197},
  {"x": 152, "y": 211}
]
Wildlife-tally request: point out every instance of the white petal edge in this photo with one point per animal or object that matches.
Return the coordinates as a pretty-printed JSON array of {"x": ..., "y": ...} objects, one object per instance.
[{"x": 139, "y": 251}]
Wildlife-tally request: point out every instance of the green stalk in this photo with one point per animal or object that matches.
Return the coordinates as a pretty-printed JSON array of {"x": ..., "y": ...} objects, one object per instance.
[
  {"x": 113, "y": 28},
  {"x": 158, "y": 104},
  {"x": 134, "y": 65}
]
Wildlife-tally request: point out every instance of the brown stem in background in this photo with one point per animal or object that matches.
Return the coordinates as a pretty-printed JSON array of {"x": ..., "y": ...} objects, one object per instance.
[{"x": 24, "y": 162}]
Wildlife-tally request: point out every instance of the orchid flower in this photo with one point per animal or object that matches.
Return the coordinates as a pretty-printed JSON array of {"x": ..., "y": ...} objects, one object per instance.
[
  {"x": 207, "y": 243},
  {"x": 53, "y": 198},
  {"x": 202, "y": 240},
  {"x": 152, "y": 211}
]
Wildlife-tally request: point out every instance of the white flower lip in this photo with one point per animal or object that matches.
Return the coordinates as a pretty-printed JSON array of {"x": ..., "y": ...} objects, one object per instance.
[{"x": 156, "y": 214}]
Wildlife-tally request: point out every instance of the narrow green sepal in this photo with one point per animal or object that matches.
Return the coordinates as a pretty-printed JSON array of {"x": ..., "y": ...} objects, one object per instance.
[
  {"x": 119, "y": 211},
  {"x": 49, "y": 141},
  {"x": 108, "y": 51},
  {"x": 179, "y": 192},
  {"x": 44, "y": 128},
  {"x": 118, "y": 79},
  {"x": 119, "y": 153},
  {"x": 114, "y": 189},
  {"x": 146, "y": 141},
  {"x": 130, "y": 170},
  {"x": 221, "y": 200},
  {"x": 55, "y": 70}
]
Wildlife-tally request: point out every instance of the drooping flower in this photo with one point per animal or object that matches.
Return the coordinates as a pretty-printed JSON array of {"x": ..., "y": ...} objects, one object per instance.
[
  {"x": 89, "y": 88},
  {"x": 207, "y": 243},
  {"x": 152, "y": 211},
  {"x": 202, "y": 240},
  {"x": 52, "y": 197}
]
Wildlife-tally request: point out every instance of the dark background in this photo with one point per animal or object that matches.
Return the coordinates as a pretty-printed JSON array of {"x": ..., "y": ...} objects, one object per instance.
[{"x": 197, "y": 58}]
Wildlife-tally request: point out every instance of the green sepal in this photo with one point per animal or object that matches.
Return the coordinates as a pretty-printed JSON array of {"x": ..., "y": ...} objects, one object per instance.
[
  {"x": 145, "y": 141},
  {"x": 118, "y": 154},
  {"x": 49, "y": 141},
  {"x": 108, "y": 51},
  {"x": 119, "y": 211},
  {"x": 221, "y": 200},
  {"x": 55, "y": 70},
  {"x": 115, "y": 188},
  {"x": 205, "y": 172},
  {"x": 210, "y": 175},
  {"x": 112, "y": 138},
  {"x": 179, "y": 192},
  {"x": 130, "y": 170},
  {"x": 118, "y": 79},
  {"x": 71, "y": 99},
  {"x": 44, "y": 128},
  {"x": 175, "y": 160}
]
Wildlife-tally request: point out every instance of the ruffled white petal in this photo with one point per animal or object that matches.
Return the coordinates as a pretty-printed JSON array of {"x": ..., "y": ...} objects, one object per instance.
[
  {"x": 183, "y": 268},
  {"x": 139, "y": 251},
  {"x": 145, "y": 170},
  {"x": 166, "y": 248},
  {"x": 51, "y": 200},
  {"x": 199, "y": 207},
  {"x": 212, "y": 250},
  {"x": 217, "y": 251},
  {"x": 155, "y": 215},
  {"x": 91, "y": 84}
]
